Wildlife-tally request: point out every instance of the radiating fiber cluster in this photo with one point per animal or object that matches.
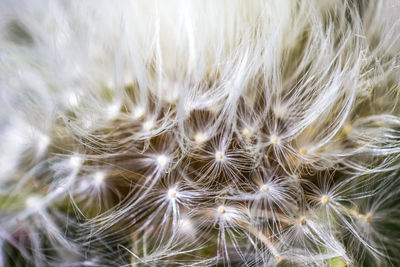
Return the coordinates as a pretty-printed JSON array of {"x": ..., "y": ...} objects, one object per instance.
[{"x": 199, "y": 133}]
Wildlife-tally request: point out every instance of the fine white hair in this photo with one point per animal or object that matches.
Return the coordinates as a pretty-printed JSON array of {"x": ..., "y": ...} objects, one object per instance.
[{"x": 199, "y": 133}]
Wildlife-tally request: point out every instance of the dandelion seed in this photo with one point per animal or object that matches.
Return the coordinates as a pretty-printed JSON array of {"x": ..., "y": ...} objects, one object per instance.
[
  {"x": 325, "y": 200},
  {"x": 72, "y": 100},
  {"x": 148, "y": 125},
  {"x": 128, "y": 80},
  {"x": 274, "y": 140},
  {"x": 279, "y": 260},
  {"x": 42, "y": 143},
  {"x": 186, "y": 225},
  {"x": 75, "y": 162},
  {"x": 365, "y": 217},
  {"x": 303, "y": 151},
  {"x": 280, "y": 111},
  {"x": 162, "y": 160},
  {"x": 247, "y": 132},
  {"x": 199, "y": 138},
  {"x": 347, "y": 129},
  {"x": 87, "y": 123},
  {"x": 219, "y": 155},
  {"x": 138, "y": 112},
  {"x": 264, "y": 188},
  {"x": 32, "y": 201},
  {"x": 172, "y": 193},
  {"x": 99, "y": 177},
  {"x": 113, "y": 110},
  {"x": 368, "y": 217},
  {"x": 172, "y": 97},
  {"x": 221, "y": 209}
]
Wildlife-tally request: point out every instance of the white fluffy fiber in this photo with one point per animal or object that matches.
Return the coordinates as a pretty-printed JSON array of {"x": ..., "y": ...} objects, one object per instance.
[{"x": 199, "y": 133}]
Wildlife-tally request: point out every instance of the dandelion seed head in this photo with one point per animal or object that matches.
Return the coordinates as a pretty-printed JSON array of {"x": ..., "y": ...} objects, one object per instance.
[{"x": 186, "y": 225}]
